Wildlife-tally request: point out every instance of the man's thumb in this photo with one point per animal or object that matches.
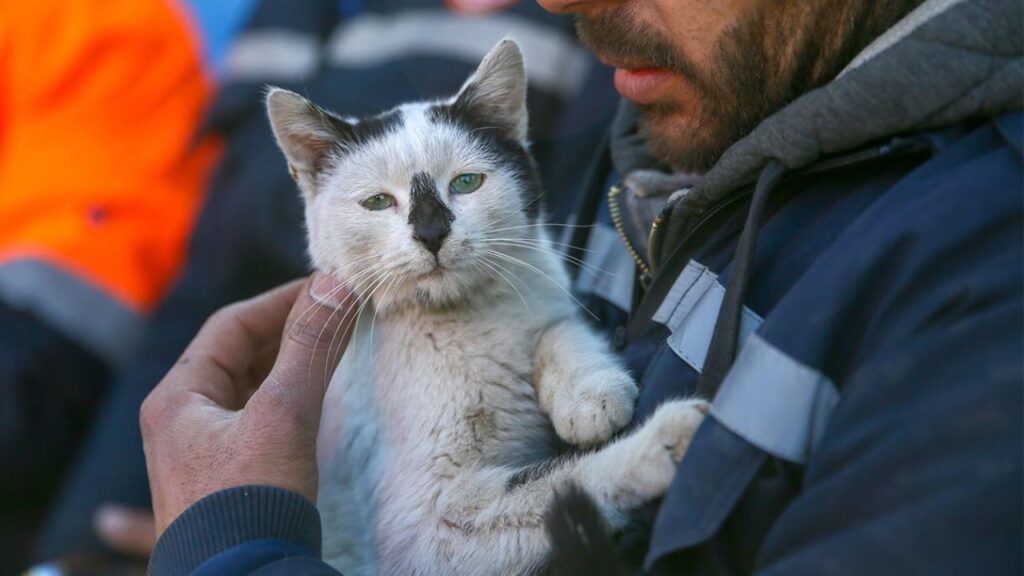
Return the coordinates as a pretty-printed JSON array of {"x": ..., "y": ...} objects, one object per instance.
[{"x": 315, "y": 336}]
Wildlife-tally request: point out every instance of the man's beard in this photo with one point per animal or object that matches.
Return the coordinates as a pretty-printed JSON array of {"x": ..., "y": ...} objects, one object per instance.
[{"x": 760, "y": 64}]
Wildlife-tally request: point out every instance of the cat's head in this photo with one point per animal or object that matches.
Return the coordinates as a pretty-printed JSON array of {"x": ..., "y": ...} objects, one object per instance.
[{"x": 408, "y": 202}]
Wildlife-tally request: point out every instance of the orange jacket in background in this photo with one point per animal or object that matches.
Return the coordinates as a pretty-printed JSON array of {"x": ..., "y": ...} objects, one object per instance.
[{"x": 100, "y": 175}]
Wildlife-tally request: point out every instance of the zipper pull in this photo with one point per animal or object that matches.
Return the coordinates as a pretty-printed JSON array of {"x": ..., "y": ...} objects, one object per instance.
[{"x": 645, "y": 280}]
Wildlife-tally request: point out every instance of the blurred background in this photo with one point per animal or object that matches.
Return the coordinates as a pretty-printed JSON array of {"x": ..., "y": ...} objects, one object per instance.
[{"x": 140, "y": 190}]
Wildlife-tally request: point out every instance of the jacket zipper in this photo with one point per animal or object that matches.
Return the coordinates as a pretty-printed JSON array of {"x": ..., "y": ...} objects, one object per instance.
[{"x": 616, "y": 213}]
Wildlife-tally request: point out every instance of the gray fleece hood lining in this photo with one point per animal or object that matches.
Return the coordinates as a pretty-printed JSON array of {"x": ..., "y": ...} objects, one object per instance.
[{"x": 926, "y": 11}]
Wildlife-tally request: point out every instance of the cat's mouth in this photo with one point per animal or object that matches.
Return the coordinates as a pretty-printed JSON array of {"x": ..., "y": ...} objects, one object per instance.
[{"x": 436, "y": 272}]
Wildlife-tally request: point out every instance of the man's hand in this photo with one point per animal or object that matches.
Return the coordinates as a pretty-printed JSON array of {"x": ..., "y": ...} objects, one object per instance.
[{"x": 242, "y": 405}]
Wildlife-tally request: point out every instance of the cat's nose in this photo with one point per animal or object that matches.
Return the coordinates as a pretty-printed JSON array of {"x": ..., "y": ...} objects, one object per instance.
[
  {"x": 432, "y": 237},
  {"x": 430, "y": 219}
]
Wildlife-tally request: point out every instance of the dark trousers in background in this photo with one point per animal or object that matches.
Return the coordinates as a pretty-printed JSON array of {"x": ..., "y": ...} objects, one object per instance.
[{"x": 49, "y": 390}]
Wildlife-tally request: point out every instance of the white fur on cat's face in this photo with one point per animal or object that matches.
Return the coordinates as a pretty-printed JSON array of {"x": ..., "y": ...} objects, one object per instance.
[
  {"x": 340, "y": 163},
  {"x": 378, "y": 247}
]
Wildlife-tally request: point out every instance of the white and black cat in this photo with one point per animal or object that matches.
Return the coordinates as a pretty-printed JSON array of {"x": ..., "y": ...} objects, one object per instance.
[{"x": 437, "y": 448}]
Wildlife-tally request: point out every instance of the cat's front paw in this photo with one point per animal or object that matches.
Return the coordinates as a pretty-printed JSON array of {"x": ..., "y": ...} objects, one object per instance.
[
  {"x": 658, "y": 447},
  {"x": 595, "y": 408}
]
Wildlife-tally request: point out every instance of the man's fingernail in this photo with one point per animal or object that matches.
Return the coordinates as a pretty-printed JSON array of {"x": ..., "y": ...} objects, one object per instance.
[{"x": 326, "y": 289}]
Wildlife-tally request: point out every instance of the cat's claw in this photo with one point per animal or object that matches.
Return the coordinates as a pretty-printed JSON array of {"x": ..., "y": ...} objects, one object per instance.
[{"x": 598, "y": 407}]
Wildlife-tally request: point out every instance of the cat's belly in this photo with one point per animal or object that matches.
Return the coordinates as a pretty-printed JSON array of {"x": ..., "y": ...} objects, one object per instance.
[{"x": 410, "y": 405}]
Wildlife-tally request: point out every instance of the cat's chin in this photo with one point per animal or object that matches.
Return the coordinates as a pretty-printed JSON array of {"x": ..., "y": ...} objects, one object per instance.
[{"x": 437, "y": 290}]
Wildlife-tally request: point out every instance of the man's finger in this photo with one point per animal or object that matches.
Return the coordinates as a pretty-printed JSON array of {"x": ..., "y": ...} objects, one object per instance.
[
  {"x": 130, "y": 531},
  {"x": 236, "y": 331},
  {"x": 222, "y": 353},
  {"x": 316, "y": 334}
]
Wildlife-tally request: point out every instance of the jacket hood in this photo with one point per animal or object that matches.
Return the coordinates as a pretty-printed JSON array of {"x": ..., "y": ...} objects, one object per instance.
[{"x": 946, "y": 62}]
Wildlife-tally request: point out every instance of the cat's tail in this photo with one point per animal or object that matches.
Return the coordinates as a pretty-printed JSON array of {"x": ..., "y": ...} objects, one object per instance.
[{"x": 580, "y": 540}]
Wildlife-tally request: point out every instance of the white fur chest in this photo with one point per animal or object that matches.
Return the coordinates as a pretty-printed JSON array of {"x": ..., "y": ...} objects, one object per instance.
[{"x": 428, "y": 397}]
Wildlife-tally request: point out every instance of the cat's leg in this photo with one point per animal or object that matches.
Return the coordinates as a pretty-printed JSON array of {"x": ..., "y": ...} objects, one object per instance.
[
  {"x": 581, "y": 385},
  {"x": 491, "y": 521}
]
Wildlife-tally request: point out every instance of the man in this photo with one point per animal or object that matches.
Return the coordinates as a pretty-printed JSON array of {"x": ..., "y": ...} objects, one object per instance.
[{"x": 844, "y": 280}]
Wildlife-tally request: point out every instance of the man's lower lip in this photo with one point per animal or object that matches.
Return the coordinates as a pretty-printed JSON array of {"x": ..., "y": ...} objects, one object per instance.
[{"x": 642, "y": 85}]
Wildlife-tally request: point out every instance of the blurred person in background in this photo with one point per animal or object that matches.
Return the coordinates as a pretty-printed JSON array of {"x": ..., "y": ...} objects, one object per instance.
[
  {"x": 353, "y": 57},
  {"x": 100, "y": 183}
]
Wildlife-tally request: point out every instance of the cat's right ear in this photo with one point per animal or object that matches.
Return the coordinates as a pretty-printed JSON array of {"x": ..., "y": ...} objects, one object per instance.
[{"x": 305, "y": 133}]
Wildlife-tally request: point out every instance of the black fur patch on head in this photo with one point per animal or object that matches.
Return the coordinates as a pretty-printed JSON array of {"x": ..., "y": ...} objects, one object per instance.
[
  {"x": 430, "y": 219},
  {"x": 462, "y": 112},
  {"x": 498, "y": 140},
  {"x": 367, "y": 129}
]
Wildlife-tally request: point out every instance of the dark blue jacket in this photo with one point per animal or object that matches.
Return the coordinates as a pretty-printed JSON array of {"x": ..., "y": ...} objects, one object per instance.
[{"x": 847, "y": 284}]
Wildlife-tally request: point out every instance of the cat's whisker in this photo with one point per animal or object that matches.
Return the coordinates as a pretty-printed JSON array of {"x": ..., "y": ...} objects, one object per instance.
[
  {"x": 541, "y": 242},
  {"x": 588, "y": 268},
  {"x": 514, "y": 260},
  {"x": 334, "y": 291},
  {"x": 479, "y": 128},
  {"x": 539, "y": 225},
  {"x": 384, "y": 295},
  {"x": 584, "y": 267},
  {"x": 354, "y": 284},
  {"x": 522, "y": 210},
  {"x": 317, "y": 303},
  {"x": 504, "y": 218},
  {"x": 369, "y": 302},
  {"x": 352, "y": 317},
  {"x": 513, "y": 213},
  {"x": 365, "y": 258},
  {"x": 369, "y": 276},
  {"x": 346, "y": 321},
  {"x": 366, "y": 280},
  {"x": 491, "y": 266}
]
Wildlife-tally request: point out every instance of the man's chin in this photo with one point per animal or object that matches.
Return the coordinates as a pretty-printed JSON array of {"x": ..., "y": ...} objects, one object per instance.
[{"x": 678, "y": 140}]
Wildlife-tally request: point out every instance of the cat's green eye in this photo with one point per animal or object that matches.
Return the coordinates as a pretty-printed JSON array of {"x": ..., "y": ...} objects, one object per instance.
[
  {"x": 379, "y": 202},
  {"x": 465, "y": 183}
]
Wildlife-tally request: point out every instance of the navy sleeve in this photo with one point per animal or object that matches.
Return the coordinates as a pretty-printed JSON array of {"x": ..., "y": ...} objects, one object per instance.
[
  {"x": 920, "y": 471},
  {"x": 920, "y": 468},
  {"x": 248, "y": 530},
  {"x": 264, "y": 558}
]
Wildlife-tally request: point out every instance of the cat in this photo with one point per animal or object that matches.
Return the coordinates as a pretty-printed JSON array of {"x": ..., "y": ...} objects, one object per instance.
[{"x": 469, "y": 363}]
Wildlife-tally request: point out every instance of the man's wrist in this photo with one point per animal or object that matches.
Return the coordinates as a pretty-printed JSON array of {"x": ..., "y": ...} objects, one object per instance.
[{"x": 231, "y": 517}]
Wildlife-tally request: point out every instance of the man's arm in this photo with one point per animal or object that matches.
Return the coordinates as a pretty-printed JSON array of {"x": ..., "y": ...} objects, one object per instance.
[{"x": 243, "y": 530}]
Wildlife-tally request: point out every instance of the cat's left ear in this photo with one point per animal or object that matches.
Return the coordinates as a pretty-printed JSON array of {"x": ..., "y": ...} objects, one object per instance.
[{"x": 496, "y": 93}]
